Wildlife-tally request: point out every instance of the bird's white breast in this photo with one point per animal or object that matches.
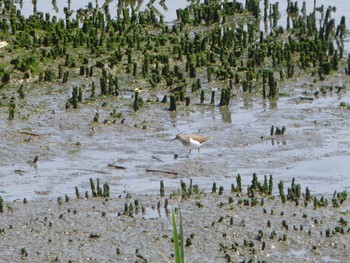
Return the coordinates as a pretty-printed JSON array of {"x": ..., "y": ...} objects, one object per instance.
[{"x": 194, "y": 143}]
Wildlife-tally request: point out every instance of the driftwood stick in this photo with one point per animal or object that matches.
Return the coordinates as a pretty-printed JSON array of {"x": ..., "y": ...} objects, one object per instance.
[
  {"x": 119, "y": 167},
  {"x": 31, "y": 133},
  {"x": 157, "y": 158},
  {"x": 160, "y": 171},
  {"x": 93, "y": 171}
]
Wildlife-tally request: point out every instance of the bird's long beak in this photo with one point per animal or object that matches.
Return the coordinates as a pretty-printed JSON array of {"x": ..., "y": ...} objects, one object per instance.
[{"x": 173, "y": 139}]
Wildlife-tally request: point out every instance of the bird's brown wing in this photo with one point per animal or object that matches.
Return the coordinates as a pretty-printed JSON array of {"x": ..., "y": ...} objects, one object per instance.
[{"x": 200, "y": 138}]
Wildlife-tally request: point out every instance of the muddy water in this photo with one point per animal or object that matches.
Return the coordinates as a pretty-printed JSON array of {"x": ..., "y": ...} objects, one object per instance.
[{"x": 71, "y": 148}]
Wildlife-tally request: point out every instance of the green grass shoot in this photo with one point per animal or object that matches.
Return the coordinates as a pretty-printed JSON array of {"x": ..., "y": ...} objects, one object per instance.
[{"x": 178, "y": 237}]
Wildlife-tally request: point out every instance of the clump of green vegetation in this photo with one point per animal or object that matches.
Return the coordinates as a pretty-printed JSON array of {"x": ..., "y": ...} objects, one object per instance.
[
  {"x": 344, "y": 105},
  {"x": 4, "y": 74},
  {"x": 221, "y": 42},
  {"x": 138, "y": 101},
  {"x": 12, "y": 107},
  {"x": 1, "y": 205},
  {"x": 26, "y": 62}
]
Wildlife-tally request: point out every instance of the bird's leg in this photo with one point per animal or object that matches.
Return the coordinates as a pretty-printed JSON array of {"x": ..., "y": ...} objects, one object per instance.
[
  {"x": 198, "y": 151},
  {"x": 189, "y": 152}
]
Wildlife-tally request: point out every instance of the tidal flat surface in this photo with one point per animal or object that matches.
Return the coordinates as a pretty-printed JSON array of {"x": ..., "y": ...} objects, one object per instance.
[
  {"x": 225, "y": 227},
  {"x": 132, "y": 152}
]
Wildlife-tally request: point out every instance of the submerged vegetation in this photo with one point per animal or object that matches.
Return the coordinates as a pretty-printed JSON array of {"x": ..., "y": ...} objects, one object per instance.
[{"x": 238, "y": 47}]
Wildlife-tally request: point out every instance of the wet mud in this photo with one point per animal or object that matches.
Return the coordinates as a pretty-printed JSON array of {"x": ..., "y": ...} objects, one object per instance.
[
  {"x": 70, "y": 147},
  {"x": 219, "y": 227}
]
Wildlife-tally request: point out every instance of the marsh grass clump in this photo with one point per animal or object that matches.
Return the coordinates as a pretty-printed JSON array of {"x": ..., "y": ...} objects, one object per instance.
[
  {"x": 59, "y": 200},
  {"x": 339, "y": 198},
  {"x": 281, "y": 191},
  {"x": 161, "y": 188},
  {"x": 24, "y": 253},
  {"x": 1, "y": 205},
  {"x": 12, "y": 107},
  {"x": 93, "y": 188},
  {"x": 138, "y": 101},
  {"x": 221, "y": 190},
  {"x": 238, "y": 188},
  {"x": 213, "y": 189},
  {"x": 172, "y": 103},
  {"x": 77, "y": 193},
  {"x": 20, "y": 92},
  {"x": 106, "y": 191},
  {"x": 322, "y": 202},
  {"x": 202, "y": 97},
  {"x": 165, "y": 99},
  {"x": 294, "y": 192},
  {"x": 225, "y": 97},
  {"x": 183, "y": 189}
]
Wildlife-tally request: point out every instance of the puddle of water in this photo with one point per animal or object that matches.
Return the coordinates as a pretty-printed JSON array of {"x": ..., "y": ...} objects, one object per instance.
[{"x": 321, "y": 175}]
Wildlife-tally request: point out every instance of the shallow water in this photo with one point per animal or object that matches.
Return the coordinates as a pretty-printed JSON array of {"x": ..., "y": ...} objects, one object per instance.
[{"x": 70, "y": 149}]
